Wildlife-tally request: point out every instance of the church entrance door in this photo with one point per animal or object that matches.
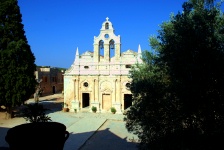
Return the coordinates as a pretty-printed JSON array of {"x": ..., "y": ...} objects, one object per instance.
[
  {"x": 106, "y": 101},
  {"x": 85, "y": 100}
]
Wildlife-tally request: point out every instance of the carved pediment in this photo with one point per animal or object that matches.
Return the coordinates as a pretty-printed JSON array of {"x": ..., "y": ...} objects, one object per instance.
[
  {"x": 106, "y": 86},
  {"x": 106, "y": 91},
  {"x": 129, "y": 52},
  {"x": 87, "y": 53}
]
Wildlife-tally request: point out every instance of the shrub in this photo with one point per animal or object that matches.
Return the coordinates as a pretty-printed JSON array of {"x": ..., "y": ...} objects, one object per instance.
[
  {"x": 113, "y": 110},
  {"x": 94, "y": 109},
  {"x": 35, "y": 113}
]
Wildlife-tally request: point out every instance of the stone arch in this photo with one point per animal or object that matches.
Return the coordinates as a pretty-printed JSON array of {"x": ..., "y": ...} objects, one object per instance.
[
  {"x": 101, "y": 49},
  {"x": 112, "y": 48},
  {"x": 105, "y": 85},
  {"x": 106, "y": 95},
  {"x": 106, "y": 25}
]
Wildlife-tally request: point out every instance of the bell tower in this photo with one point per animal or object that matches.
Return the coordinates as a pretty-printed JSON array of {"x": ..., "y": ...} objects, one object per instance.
[{"x": 107, "y": 41}]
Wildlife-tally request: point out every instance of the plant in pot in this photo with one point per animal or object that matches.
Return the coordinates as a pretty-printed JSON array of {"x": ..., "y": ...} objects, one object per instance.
[
  {"x": 65, "y": 107},
  {"x": 75, "y": 110},
  {"x": 35, "y": 113},
  {"x": 94, "y": 109},
  {"x": 49, "y": 135},
  {"x": 113, "y": 110}
]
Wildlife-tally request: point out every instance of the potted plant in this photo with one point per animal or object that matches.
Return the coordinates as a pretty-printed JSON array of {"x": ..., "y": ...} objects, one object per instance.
[
  {"x": 94, "y": 109},
  {"x": 65, "y": 107},
  {"x": 113, "y": 110},
  {"x": 75, "y": 110},
  {"x": 35, "y": 113},
  {"x": 48, "y": 135},
  {"x": 41, "y": 135}
]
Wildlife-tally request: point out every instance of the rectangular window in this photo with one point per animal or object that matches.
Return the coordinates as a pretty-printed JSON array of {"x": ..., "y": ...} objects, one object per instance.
[{"x": 127, "y": 66}]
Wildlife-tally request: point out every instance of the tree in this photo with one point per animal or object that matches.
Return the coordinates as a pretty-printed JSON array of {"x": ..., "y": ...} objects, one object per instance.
[
  {"x": 17, "y": 65},
  {"x": 178, "y": 99}
]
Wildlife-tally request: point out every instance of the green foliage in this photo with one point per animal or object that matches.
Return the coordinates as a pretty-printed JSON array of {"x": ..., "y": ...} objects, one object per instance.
[
  {"x": 17, "y": 65},
  {"x": 113, "y": 110},
  {"x": 178, "y": 92},
  {"x": 35, "y": 113},
  {"x": 94, "y": 109}
]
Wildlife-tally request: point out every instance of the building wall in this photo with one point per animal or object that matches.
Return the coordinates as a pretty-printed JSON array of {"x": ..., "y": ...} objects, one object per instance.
[
  {"x": 100, "y": 81},
  {"x": 50, "y": 80},
  {"x": 115, "y": 86}
]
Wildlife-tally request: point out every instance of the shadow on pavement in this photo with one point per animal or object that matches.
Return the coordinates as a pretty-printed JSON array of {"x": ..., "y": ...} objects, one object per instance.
[
  {"x": 3, "y": 143},
  {"x": 105, "y": 139},
  {"x": 100, "y": 140},
  {"x": 47, "y": 104}
]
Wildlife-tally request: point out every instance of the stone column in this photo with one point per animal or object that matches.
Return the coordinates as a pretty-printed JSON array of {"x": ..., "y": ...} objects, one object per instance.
[
  {"x": 96, "y": 53},
  {"x": 97, "y": 98},
  {"x": 119, "y": 90},
  {"x": 106, "y": 53},
  {"x": 75, "y": 102},
  {"x": 115, "y": 90},
  {"x": 95, "y": 102},
  {"x": 93, "y": 90},
  {"x": 117, "y": 103},
  {"x": 117, "y": 51}
]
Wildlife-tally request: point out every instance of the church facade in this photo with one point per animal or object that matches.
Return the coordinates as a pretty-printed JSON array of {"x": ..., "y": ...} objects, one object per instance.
[{"x": 100, "y": 78}]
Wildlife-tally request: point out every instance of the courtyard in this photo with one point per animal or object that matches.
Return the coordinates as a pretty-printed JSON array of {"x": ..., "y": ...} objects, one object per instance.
[{"x": 87, "y": 130}]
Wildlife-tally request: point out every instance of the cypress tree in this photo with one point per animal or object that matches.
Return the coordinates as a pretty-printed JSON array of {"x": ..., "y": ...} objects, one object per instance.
[{"x": 17, "y": 62}]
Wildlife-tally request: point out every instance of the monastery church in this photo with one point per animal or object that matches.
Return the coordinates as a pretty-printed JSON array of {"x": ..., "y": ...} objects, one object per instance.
[{"x": 101, "y": 80}]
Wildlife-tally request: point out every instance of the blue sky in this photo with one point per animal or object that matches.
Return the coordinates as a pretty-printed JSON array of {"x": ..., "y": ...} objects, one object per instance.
[{"x": 55, "y": 28}]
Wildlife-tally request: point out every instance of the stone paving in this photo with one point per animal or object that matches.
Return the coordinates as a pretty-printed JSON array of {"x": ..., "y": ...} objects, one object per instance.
[{"x": 87, "y": 130}]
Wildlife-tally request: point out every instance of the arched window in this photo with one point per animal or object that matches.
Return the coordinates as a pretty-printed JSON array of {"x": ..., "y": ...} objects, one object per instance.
[
  {"x": 101, "y": 49},
  {"x": 107, "y": 26},
  {"x": 128, "y": 85},
  {"x": 101, "y": 44},
  {"x": 112, "y": 44}
]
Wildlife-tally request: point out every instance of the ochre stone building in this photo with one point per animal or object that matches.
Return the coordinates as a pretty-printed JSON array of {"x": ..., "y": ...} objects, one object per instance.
[
  {"x": 101, "y": 80},
  {"x": 50, "y": 80}
]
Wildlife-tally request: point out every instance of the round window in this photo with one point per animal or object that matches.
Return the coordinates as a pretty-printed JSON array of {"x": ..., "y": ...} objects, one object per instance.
[
  {"x": 128, "y": 85},
  {"x": 106, "y": 36},
  {"x": 85, "y": 84}
]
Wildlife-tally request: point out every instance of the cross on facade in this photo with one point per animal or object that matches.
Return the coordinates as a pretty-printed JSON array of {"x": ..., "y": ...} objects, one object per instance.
[{"x": 107, "y": 18}]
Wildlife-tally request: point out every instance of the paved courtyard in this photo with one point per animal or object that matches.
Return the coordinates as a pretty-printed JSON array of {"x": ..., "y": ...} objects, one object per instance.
[{"x": 87, "y": 130}]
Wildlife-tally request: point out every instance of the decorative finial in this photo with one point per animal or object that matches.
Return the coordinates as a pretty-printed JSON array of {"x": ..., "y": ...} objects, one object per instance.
[
  {"x": 107, "y": 18},
  {"x": 77, "y": 55}
]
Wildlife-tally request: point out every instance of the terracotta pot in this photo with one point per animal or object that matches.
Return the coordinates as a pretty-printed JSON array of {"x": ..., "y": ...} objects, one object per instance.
[
  {"x": 37, "y": 136},
  {"x": 65, "y": 109}
]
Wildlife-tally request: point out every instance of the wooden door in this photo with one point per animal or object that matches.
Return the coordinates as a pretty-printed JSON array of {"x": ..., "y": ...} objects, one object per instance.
[{"x": 106, "y": 102}]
